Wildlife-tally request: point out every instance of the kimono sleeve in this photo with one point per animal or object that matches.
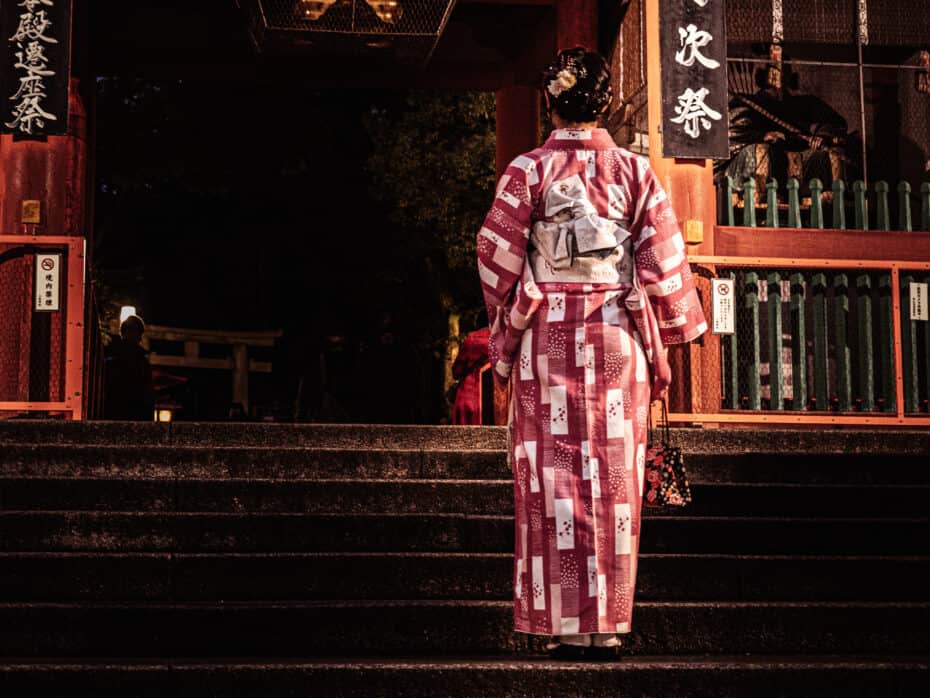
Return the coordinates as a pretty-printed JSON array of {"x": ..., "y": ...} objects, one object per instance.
[
  {"x": 502, "y": 243},
  {"x": 661, "y": 263},
  {"x": 504, "y": 234}
]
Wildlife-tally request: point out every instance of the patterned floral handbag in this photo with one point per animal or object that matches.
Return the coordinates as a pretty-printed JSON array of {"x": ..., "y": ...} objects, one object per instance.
[{"x": 666, "y": 480}]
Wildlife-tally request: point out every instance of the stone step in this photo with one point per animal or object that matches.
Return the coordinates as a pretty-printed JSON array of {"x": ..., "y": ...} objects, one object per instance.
[
  {"x": 722, "y": 676},
  {"x": 46, "y": 460},
  {"x": 432, "y": 496},
  {"x": 167, "y": 577},
  {"x": 250, "y": 532},
  {"x": 202, "y": 462},
  {"x": 244, "y": 495},
  {"x": 728, "y": 441},
  {"x": 403, "y": 628},
  {"x": 261, "y": 435}
]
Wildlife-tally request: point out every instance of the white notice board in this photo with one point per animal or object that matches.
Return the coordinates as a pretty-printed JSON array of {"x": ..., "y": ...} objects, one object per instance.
[
  {"x": 48, "y": 282},
  {"x": 724, "y": 316},
  {"x": 918, "y": 293}
]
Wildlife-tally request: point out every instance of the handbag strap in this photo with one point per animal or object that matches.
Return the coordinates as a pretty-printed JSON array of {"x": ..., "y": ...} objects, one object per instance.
[
  {"x": 667, "y": 431},
  {"x": 650, "y": 430},
  {"x": 663, "y": 425}
]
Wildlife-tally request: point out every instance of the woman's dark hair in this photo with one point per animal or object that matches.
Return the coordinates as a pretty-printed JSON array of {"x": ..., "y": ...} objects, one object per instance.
[{"x": 578, "y": 84}]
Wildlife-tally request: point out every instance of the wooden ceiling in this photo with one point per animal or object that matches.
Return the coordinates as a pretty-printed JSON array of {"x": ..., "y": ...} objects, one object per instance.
[{"x": 487, "y": 44}]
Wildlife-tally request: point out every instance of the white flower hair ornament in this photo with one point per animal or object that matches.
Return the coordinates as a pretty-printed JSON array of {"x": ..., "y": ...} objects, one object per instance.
[{"x": 564, "y": 80}]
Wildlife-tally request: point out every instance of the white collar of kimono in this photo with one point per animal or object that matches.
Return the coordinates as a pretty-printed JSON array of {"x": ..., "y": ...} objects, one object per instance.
[
  {"x": 584, "y": 138},
  {"x": 572, "y": 134}
]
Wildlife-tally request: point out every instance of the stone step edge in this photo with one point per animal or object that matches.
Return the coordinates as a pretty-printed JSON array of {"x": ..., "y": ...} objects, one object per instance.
[
  {"x": 407, "y": 450},
  {"x": 444, "y": 603},
  {"x": 398, "y": 555},
  {"x": 245, "y": 448},
  {"x": 478, "y": 663},
  {"x": 718, "y": 440},
  {"x": 470, "y": 482},
  {"x": 79, "y": 513}
]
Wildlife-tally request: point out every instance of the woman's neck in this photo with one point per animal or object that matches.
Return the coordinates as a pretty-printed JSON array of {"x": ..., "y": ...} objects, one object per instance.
[{"x": 560, "y": 123}]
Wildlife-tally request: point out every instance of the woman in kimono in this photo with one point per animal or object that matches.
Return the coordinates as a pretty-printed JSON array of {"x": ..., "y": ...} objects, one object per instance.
[{"x": 585, "y": 278}]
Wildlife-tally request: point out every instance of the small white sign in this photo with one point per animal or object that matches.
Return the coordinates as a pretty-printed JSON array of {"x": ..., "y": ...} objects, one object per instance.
[
  {"x": 918, "y": 301},
  {"x": 48, "y": 282},
  {"x": 724, "y": 316}
]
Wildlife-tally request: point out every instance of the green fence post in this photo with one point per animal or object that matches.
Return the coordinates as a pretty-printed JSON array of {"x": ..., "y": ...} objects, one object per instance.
[
  {"x": 751, "y": 300},
  {"x": 732, "y": 375},
  {"x": 909, "y": 354},
  {"x": 819, "y": 292},
  {"x": 794, "y": 203},
  {"x": 882, "y": 217},
  {"x": 749, "y": 203},
  {"x": 904, "y": 206},
  {"x": 925, "y": 206},
  {"x": 816, "y": 203},
  {"x": 771, "y": 204},
  {"x": 861, "y": 206},
  {"x": 841, "y": 341},
  {"x": 776, "y": 371},
  {"x": 839, "y": 205},
  {"x": 726, "y": 201},
  {"x": 798, "y": 344},
  {"x": 886, "y": 341},
  {"x": 866, "y": 357}
]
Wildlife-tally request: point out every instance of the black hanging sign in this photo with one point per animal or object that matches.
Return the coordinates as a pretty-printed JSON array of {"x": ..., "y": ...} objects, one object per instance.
[
  {"x": 694, "y": 78},
  {"x": 35, "y": 45}
]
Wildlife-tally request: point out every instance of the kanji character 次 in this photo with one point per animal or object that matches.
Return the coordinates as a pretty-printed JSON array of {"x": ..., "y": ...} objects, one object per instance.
[{"x": 692, "y": 40}]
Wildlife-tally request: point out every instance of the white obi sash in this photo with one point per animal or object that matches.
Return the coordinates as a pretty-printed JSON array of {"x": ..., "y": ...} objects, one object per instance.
[{"x": 575, "y": 244}]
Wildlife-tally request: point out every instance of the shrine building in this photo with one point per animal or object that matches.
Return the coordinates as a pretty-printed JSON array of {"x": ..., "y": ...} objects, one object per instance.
[{"x": 828, "y": 273}]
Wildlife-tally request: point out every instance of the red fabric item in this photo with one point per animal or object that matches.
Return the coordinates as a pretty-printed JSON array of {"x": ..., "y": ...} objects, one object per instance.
[
  {"x": 582, "y": 360},
  {"x": 473, "y": 356}
]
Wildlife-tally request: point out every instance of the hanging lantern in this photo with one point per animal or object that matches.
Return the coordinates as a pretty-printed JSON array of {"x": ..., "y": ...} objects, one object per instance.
[
  {"x": 314, "y": 9},
  {"x": 388, "y": 12},
  {"x": 402, "y": 31}
]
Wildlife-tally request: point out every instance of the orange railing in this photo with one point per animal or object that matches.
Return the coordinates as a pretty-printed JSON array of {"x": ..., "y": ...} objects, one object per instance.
[
  {"x": 825, "y": 336},
  {"x": 71, "y": 397}
]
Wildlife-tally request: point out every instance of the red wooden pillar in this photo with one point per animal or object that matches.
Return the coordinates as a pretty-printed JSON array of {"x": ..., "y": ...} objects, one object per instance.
[
  {"x": 517, "y": 115},
  {"x": 517, "y": 119},
  {"x": 576, "y": 22},
  {"x": 53, "y": 172},
  {"x": 690, "y": 187},
  {"x": 518, "y": 109}
]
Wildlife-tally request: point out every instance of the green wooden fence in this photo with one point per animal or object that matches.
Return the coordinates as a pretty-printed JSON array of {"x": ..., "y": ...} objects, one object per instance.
[
  {"x": 807, "y": 209},
  {"x": 822, "y": 339}
]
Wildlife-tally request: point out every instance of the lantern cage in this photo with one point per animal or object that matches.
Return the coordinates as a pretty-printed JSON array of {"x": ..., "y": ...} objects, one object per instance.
[{"x": 406, "y": 31}]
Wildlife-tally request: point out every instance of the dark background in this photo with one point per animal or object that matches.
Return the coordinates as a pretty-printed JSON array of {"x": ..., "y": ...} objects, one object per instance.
[{"x": 253, "y": 205}]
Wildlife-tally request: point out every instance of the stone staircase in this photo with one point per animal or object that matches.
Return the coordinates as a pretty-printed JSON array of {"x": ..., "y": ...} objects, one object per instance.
[{"x": 312, "y": 560}]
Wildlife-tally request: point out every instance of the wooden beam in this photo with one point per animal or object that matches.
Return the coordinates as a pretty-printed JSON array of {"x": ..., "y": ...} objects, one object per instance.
[
  {"x": 188, "y": 362},
  {"x": 796, "y": 418},
  {"x": 199, "y": 362},
  {"x": 827, "y": 243},
  {"x": 811, "y": 263},
  {"x": 182, "y": 334},
  {"x": 508, "y": 2},
  {"x": 36, "y": 407}
]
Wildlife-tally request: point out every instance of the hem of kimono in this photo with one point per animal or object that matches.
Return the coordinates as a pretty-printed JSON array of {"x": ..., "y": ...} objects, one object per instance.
[{"x": 548, "y": 633}]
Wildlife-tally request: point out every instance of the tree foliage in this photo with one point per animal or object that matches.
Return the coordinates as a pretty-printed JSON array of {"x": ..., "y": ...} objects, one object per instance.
[{"x": 432, "y": 167}]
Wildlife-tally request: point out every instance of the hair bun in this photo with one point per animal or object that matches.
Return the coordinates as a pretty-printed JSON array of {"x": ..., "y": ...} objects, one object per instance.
[{"x": 578, "y": 84}]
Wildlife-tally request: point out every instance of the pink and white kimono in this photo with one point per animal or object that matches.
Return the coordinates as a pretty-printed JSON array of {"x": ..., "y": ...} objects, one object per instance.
[{"x": 585, "y": 278}]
